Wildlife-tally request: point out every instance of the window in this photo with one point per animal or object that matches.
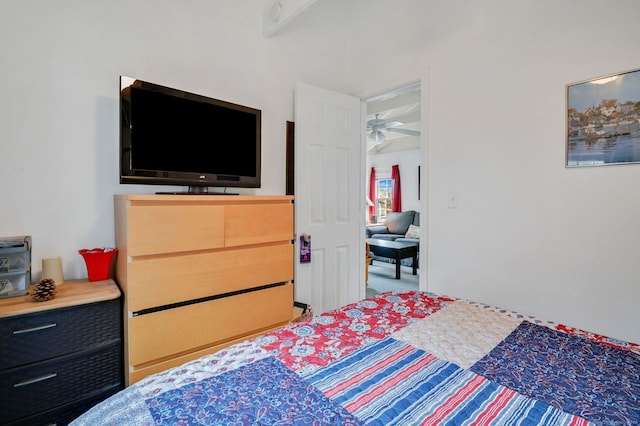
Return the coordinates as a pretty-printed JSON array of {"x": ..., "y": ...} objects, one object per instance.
[{"x": 383, "y": 197}]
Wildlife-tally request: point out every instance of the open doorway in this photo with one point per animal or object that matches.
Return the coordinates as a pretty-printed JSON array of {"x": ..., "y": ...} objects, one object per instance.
[{"x": 393, "y": 188}]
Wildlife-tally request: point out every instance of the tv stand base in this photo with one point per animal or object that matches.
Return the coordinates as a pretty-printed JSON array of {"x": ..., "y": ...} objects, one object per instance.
[
  {"x": 197, "y": 193},
  {"x": 197, "y": 190}
]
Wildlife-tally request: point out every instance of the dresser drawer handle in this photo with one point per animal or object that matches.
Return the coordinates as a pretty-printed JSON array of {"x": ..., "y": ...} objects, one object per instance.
[
  {"x": 29, "y": 330},
  {"x": 35, "y": 380}
]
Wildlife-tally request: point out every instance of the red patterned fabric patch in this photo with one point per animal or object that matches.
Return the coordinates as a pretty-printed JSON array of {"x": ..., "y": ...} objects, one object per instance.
[{"x": 316, "y": 342}]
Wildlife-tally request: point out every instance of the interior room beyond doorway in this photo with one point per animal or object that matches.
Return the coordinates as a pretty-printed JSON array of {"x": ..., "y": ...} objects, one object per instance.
[{"x": 393, "y": 179}]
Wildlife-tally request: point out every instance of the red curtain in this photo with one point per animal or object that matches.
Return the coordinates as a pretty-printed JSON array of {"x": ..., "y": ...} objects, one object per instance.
[
  {"x": 396, "y": 200},
  {"x": 372, "y": 193}
]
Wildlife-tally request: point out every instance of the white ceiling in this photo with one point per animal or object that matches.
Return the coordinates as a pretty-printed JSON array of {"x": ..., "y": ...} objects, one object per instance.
[{"x": 402, "y": 105}]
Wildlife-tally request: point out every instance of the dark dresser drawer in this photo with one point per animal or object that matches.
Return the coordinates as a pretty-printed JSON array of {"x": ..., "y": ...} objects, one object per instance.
[
  {"x": 65, "y": 414},
  {"x": 32, "y": 337},
  {"x": 45, "y": 385}
]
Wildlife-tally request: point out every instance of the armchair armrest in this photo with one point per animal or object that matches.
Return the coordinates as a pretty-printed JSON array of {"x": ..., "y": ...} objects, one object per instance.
[{"x": 376, "y": 229}]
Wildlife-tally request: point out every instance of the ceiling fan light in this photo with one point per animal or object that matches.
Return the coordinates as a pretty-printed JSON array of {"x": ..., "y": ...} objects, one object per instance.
[{"x": 376, "y": 136}]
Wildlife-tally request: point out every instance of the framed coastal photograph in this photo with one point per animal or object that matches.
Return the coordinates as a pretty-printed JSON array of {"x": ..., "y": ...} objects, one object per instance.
[{"x": 603, "y": 120}]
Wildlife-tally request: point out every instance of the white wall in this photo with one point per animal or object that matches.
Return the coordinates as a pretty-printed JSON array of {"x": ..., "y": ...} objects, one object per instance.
[
  {"x": 408, "y": 162},
  {"x": 59, "y": 99},
  {"x": 529, "y": 234}
]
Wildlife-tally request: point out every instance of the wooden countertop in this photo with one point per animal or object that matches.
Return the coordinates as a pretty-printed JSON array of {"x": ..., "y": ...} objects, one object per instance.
[{"x": 70, "y": 293}]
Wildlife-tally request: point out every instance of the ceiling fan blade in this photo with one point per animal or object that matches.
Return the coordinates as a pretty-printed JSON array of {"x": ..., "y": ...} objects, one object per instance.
[
  {"x": 389, "y": 124},
  {"x": 405, "y": 131}
]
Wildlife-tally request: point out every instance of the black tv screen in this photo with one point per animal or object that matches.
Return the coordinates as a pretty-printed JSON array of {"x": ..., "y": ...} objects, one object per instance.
[{"x": 173, "y": 137}]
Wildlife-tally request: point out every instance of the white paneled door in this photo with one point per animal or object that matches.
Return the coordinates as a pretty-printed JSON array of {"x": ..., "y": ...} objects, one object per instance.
[{"x": 329, "y": 201}]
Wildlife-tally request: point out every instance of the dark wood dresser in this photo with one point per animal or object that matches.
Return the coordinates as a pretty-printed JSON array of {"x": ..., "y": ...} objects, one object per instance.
[{"x": 60, "y": 357}]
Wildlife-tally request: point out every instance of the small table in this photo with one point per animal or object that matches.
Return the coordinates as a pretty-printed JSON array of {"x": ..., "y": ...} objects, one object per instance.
[{"x": 395, "y": 250}]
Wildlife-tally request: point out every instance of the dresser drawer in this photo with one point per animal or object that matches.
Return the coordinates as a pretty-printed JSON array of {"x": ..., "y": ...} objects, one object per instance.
[
  {"x": 67, "y": 413},
  {"x": 31, "y": 389},
  {"x": 167, "y": 333},
  {"x": 258, "y": 223},
  {"x": 161, "y": 228},
  {"x": 166, "y": 280},
  {"x": 34, "y": 337}
]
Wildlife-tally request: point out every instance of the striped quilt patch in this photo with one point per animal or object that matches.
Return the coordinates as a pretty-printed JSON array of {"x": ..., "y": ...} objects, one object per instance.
[{"x": 392, "y": 383}]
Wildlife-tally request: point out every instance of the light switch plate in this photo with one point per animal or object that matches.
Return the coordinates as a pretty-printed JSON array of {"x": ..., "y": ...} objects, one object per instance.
[{"x": 453, "y": 200}]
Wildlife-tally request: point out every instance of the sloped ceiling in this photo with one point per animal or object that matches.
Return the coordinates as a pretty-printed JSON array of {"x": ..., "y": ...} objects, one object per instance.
[{"x": 401, "y": 105}]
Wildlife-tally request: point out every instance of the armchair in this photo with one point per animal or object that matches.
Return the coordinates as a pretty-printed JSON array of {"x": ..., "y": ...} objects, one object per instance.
[{"x": 400, "y": 227}]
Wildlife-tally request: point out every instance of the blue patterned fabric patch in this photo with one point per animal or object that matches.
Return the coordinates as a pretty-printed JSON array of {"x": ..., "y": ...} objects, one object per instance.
[
  {"x": 247, "y": 396},
  {"x": 598, "y": 382}
]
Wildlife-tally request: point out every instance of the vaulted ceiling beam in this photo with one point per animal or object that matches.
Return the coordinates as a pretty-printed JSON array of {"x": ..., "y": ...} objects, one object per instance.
[
  {"x": 412, "y": 98},
  {"x": 279, "y": 13}
]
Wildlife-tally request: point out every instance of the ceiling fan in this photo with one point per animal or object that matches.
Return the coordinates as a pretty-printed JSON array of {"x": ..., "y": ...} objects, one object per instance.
[{"x": 377, "y": 125}]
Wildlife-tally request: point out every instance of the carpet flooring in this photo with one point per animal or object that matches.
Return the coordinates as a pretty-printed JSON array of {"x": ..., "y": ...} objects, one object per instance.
[{"x": 382, "y": 278}]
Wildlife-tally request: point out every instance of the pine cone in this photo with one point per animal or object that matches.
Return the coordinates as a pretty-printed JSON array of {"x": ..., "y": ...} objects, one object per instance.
[{"x": 44, "y": 290}]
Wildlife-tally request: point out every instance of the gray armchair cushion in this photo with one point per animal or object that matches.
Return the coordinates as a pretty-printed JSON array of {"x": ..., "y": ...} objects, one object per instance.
[{"x": 398, "y": 222}]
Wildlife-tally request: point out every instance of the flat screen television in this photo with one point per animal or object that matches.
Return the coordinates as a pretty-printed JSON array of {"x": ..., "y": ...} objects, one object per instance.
[{"x": 172, "y": 137}]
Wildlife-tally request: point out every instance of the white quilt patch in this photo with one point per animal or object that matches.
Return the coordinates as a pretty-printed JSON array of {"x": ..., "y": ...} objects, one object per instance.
[{"x": 460, "y": 332}]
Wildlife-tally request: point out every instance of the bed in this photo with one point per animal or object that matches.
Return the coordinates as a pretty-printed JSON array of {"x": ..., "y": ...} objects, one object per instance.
[{"x": 396, "y": 358}]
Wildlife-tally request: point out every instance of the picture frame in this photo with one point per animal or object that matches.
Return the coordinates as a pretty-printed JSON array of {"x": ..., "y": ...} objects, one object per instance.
[{"x": 603, "y": 120}]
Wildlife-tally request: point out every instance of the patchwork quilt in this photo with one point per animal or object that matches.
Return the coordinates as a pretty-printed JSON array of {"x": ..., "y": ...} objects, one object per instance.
[{"x": 396, "y": 359}]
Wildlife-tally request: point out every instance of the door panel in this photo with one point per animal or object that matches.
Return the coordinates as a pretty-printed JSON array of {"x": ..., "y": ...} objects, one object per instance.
[{"x": 329, "y": 197}]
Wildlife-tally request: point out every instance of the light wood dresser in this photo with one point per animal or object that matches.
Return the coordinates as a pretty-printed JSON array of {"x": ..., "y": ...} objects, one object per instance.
[{"x": 199, "y": 273}]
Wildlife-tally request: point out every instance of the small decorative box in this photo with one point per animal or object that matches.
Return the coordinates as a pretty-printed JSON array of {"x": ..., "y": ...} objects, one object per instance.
[{"x": 15, "y": 266}]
